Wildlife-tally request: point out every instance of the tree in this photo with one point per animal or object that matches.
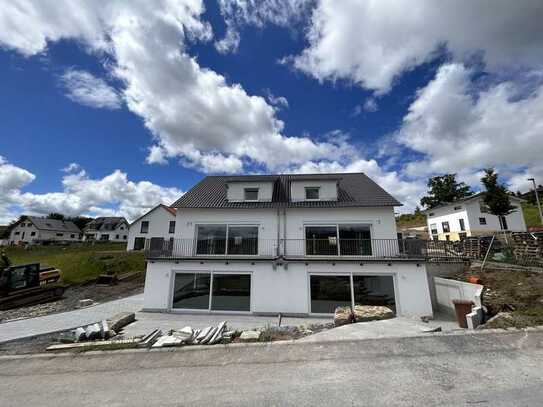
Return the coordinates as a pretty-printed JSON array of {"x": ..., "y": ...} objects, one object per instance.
[
  {"x": 80, "y": 221},
  {"x": 55, "y": 215},
  {"x": 497, "y": 197},
  {"x": 444, "y": 189},
  {"x": 12, "y": 224}
]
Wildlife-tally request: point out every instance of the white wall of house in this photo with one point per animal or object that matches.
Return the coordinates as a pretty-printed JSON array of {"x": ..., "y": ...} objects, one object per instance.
[
  {"x": 470, "y": 211},
  {"x": 119, "y": 234},
  {"x": 236, "y": 190},
  {"x": 159, "y": 225},
  {"x": 287, "y": 290},
  {"x": 327, "y": 189},
  {"x": 26, "y": 232}
]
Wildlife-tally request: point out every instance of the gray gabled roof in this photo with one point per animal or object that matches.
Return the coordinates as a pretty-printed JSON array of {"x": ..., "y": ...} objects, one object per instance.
[
  {"x": 354, "y": 190},
  {"x": 54, "y": 225},
  {"x": 105, "y": 223}
]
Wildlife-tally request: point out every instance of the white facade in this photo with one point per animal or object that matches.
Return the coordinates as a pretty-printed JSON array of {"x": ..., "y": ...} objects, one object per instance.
[
  {"x": 476, "y": 222},
  {"x": 285, "y": 287},
  {"x": 158, "y": 226},
  {"x": 27, "y": 232},
  {"x": 118, "y": 234},
  {"x": 236, "y": 190}
]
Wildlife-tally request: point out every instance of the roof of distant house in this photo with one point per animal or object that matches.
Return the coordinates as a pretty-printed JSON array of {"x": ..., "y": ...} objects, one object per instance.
[
  {"x": 171, "y": 211},
  {"x": 354, "y": 190},
  {"x": 466, "y": 199},
  {"x": 105, "y": 223},
  {"x": 54, "y": 225}
]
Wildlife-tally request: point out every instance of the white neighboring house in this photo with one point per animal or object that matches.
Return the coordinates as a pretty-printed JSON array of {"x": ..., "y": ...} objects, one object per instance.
[
  {"x": 158, "y": 225},
  {"x": 113, "y": 229},
  {"x": 291, "y": 244},
  {"x": 34, "y": 229},
  {"x": 470, "y": 217}
]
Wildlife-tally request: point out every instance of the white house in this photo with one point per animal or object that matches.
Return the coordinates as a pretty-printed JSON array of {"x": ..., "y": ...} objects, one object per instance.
[
  {"x": 33, "y": 229},
  {"x": 470, "y": 217},
  {"x": 157, "y": 225},
  {"x": 291, "y": 244},
  {"x": 114, "y": 229}
]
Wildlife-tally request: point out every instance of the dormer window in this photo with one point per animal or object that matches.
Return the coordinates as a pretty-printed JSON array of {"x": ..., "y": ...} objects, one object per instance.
[
  {"x": 312, "y": 193},
  {"x": 251, "y": 194}
]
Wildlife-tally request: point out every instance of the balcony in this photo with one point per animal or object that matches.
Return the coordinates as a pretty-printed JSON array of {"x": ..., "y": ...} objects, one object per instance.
[{"x": 330, "y": 248}]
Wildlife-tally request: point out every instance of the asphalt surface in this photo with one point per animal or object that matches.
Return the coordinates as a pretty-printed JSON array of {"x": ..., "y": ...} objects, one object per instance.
[{"x": 485, "y": 369}]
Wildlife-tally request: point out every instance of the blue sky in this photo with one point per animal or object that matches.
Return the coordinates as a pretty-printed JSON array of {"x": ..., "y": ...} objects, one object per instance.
[{"x": 113, "y": 107}]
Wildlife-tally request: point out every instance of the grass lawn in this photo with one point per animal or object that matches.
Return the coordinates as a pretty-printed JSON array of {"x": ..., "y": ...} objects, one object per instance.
[
  {"x": 531, "y": 214},
  {"x": 81, "y": 262}
]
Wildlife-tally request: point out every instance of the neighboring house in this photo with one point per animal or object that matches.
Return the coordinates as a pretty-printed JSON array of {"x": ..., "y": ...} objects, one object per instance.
[
  {"x": 291, "y": 244},
  {"x": 114, "y": 229},
  {"x": 470, "y": 217},
  {"x": 34, "y": 229},
  {"x": 157, "y": 225},
  {"x": 4, "y": 237},
  {"x": 417, "y": 232}
]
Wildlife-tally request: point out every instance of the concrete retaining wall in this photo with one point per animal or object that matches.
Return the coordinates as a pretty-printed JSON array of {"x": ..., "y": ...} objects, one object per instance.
[
  {"x": 448, "y": 290},
  {"x": 440, "y": 270}
]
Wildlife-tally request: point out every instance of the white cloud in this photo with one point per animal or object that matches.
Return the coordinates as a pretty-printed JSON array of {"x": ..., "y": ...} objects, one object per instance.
[
  {"x": 84, "y": 88},
  {"x": 459, "y": 126},
  {"x": 277, "y": 101},
  {"x": 370, "y": 105},
  {"x": 192, "y": 112},
  {"x": 372, "y": 42},
  {"x": 112, "y": 194},
  {"x": 238, "y": 13}
]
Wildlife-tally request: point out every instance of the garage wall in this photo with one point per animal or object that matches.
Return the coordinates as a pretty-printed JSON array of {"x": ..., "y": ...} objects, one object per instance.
[{"x": 287, "y": 289}]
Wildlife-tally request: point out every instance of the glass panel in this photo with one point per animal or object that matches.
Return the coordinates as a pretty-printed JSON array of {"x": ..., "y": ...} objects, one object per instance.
[
  {"x": 355, "y": 240},
  {"x": 139, "y": 243},
  {"x": 312, "y": 193},
  {"x": 191, "y": 291},
  {"x": 144, "y": 227},
  {"x": 243, "y": 240},
  {"x": 171, "y": 228},
  {"x": 231, "y": 292},
  {"x": 321, "y": 240},
  {"x": 211, "y": 239},
  {"x": 374, "y": 290},
  {"x": 329, "y": 292},
  {"x": 251, "y": 194}
]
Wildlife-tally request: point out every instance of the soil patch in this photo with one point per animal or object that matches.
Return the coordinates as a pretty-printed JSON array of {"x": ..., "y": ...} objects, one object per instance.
[
  {"x": 519, "y": 293},
  {"x": 73, "y": 294}
]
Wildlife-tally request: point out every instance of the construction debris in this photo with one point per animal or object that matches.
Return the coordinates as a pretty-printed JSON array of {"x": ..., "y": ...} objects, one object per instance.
[
  {"x": 149, "y": 339},
  {"x": 83, "y": 345},
  {"x": 121, "y": 320},
  {"x": 87, "y": 302},
  {"x": 250, "y": 336},
  {"x": 361, "y": 313}
]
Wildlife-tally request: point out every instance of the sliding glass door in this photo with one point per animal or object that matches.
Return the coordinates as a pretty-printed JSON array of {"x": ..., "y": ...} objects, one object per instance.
[
  {"x": 212, "y": 291},
  {"x": 227, "y": 239}
]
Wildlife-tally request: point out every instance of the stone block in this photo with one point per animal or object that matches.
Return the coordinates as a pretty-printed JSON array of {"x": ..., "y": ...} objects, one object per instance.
[
  {"x": 118, "y": 321},
  {"x": 361, "y": 313},
  {"x": 250, "y": 336}
]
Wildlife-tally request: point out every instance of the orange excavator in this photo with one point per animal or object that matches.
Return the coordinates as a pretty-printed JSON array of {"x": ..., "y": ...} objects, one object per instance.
[{"x": 27, "y": 284}]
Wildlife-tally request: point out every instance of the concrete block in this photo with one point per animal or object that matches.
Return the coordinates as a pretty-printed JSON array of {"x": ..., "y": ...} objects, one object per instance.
[
  {"x": 87, "y": 302},
  {"x": 93, "y": 332},
  {"x": 475, "y": 317},
  {"x": 250, "y": 336},
  {"x": 118, "y": 321}
]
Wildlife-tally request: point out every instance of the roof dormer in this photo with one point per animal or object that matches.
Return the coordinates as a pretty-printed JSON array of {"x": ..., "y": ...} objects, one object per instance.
[
  {"x": 314, "y": 189},
  {"x": 249, "y": 191}
]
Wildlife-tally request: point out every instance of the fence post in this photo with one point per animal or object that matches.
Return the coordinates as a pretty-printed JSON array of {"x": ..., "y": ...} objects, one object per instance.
[{"x": 488, "y": 251}]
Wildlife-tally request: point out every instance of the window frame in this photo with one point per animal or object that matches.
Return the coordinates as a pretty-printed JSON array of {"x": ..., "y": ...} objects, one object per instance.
[
  {"x": 146, "y": 223},
  {"x": 170, "y": 229},
  {"x": 462, "y": 224},
  {"x": 228, "y": 225},
  {"x": 482, "y": 221},
  {"x": 307, "y": 189},
  {"x": 448, "y": 229},
  {"x": 338, "y": 240},
  {"x": 251, "y": 190}
]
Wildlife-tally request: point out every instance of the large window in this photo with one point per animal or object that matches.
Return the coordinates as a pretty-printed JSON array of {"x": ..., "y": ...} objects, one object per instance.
[
  {"x": 251, "y": 194},
  {"x": 346, "y": 240},
  {"x": 312, "y": 193},
  {"x": 231, "y": 292},
  {"x": 227, "y": 239},
  {"x": 321, "y": 240},
  {"x": 329, "y": 292},
  {"x": 139, "y": 243},
  {"x": 354, "y": 240},
  {"x": 212, "y": 291},
  {"x": 211, "y": 239},
  {"x": 144, "y": 226},
  {"x": 191, "y": 291},
  {"x": 374, "y": 290},
  {"x": 243, "y": 240}
]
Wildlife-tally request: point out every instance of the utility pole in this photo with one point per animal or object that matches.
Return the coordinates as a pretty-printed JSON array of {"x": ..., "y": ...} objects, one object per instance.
[{"x": 537, "y": 200}]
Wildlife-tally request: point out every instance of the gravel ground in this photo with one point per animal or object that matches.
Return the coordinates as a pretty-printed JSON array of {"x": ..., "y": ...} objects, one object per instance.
[{"x": 72, "y": 296}]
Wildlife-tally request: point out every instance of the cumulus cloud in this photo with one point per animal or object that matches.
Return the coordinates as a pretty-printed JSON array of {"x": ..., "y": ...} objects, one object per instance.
[
  {"x": 193, "y": 113},
  {"x": 113, "y": 194},
  {"x": 457, "y": 124},
  {"x": 84, "y": 88},
  {"x": 238, "y": 13},
  {"x": 372, "y": 42}
]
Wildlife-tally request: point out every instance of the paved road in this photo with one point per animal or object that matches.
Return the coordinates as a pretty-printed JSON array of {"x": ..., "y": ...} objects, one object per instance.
[
  {"x": 449, "y": 370},
  {"x": 67, "y": 320}
]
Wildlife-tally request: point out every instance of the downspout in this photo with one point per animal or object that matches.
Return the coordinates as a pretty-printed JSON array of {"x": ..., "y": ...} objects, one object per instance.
[
  {"x": 285, "y": 232},
  {"x": 277, "y": 251}
]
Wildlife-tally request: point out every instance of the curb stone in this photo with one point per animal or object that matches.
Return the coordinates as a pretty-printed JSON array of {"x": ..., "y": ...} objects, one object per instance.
[{"x": 197, "y": 348}]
